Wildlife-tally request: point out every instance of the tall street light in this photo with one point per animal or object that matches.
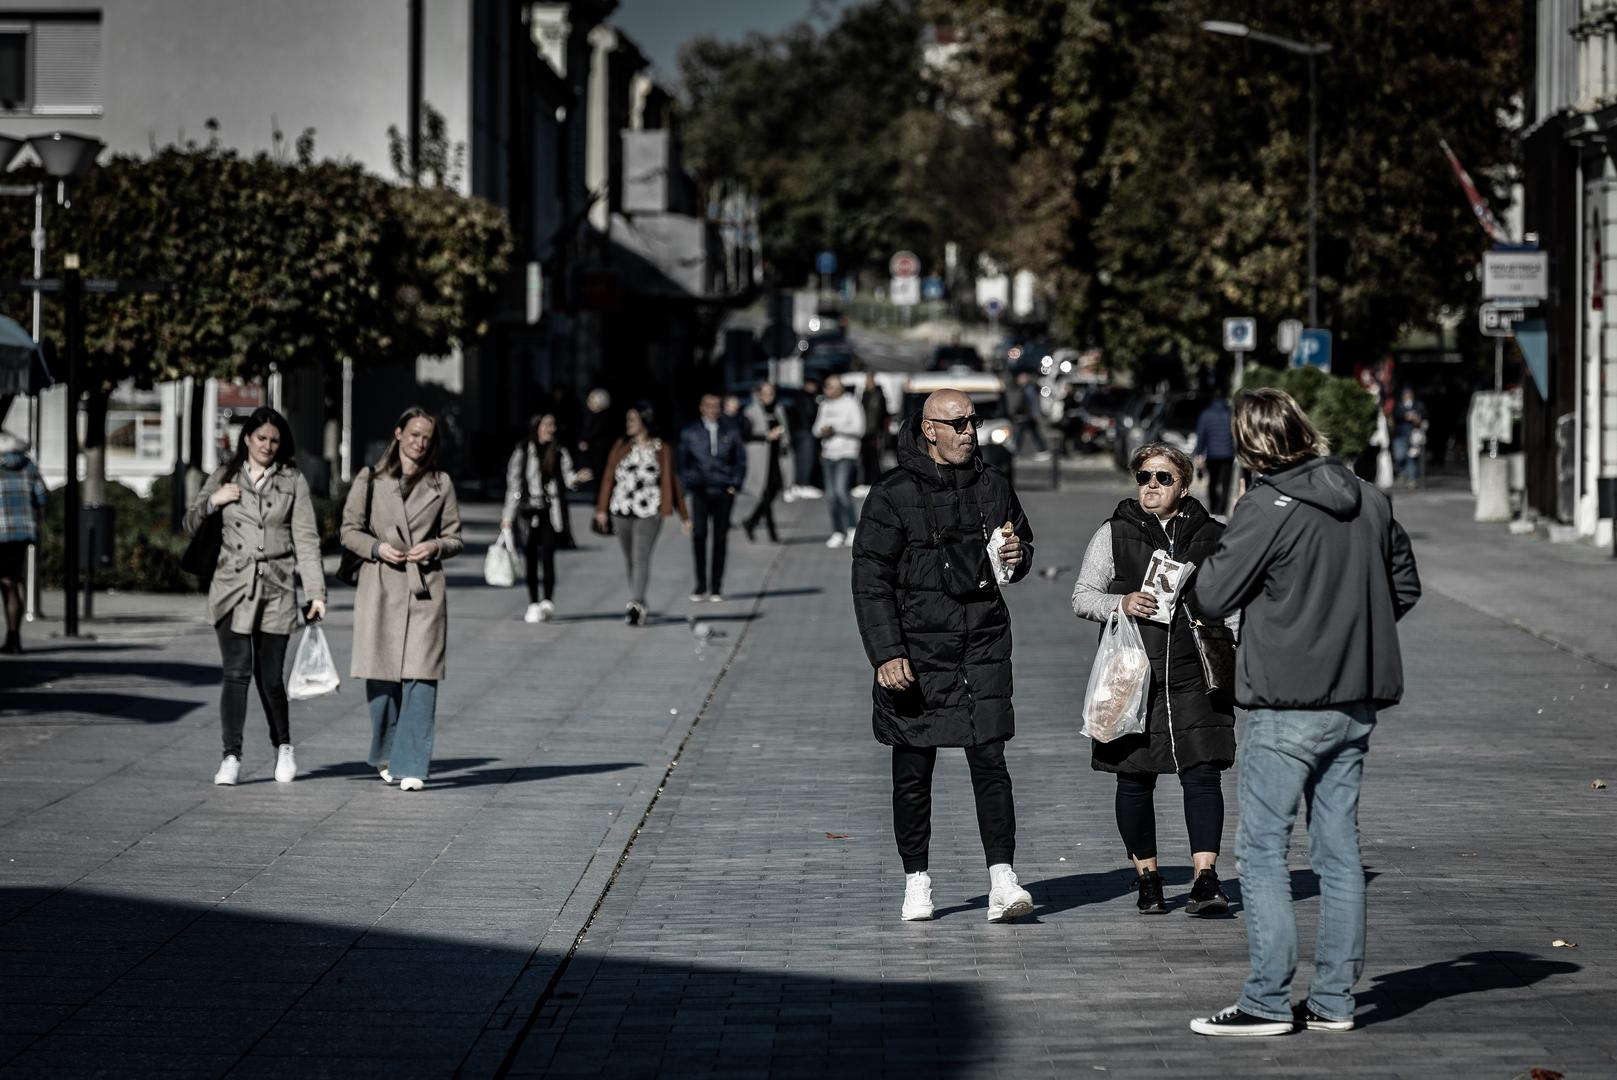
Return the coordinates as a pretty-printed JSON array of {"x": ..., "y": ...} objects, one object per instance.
[{"x": 1312, "y": 51}]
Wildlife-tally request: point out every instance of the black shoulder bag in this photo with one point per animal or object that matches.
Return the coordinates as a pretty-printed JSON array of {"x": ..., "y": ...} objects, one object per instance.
[
  {"x": 962, "y": 554},
  {"x": 1215, "y": 648},
  {"x": 348, "y": 568},
  {"x": 202, "y": 553}
]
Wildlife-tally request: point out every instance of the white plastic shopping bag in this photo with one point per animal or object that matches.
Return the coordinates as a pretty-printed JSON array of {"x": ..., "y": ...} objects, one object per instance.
[
  {"x": 314, "y": 672},
  {"x": 1117, "y": 700},
  {"x": 500, "y": 564}
]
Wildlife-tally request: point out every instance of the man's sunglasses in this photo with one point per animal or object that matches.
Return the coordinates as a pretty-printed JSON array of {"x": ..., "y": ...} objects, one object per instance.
[
  {"x": 959, "y": 423},
  {"x": 1164, "y": 477}
]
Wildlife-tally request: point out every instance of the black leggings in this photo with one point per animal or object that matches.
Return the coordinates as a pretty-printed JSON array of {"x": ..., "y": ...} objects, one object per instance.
[
  {"x": 1204, "y": 810},
  {"x": 912, "y": 802},
  {"x": 259, "y": 657},
  {"x": 540, "y": 549}
]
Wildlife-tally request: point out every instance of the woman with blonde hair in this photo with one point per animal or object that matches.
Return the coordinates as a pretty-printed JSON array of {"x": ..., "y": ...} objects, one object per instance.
[{"x": 402, "y": 520}]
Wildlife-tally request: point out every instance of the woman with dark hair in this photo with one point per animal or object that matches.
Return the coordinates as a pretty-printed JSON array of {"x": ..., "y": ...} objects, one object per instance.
[
  {"x": 1190, "y": 731},
  {"x": 403, "y": 520},
  {"x": 268, "y": 532},
  {"x": 639, "y": 488},
  {"x": 535, "y": 503}
]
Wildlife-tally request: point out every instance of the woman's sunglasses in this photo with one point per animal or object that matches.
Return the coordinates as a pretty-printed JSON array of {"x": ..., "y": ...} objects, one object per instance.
[
  {"x": 959, "y": 423},
  {"x": 1164, "y": 477}
]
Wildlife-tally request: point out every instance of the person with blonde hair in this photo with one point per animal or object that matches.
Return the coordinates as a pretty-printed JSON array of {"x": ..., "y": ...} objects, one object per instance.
[{"x": 1323, "y": 572}]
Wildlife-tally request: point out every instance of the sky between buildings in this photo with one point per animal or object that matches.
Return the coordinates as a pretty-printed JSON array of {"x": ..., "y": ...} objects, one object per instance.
[{"x": 660, "y": 27}]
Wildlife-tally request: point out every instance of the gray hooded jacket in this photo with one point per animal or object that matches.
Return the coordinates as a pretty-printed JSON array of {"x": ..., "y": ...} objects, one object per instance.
[{"x": 1324, "y": 572}]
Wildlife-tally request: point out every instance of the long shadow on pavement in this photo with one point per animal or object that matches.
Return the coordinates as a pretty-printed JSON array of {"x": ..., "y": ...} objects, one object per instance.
[
  {"x": 1399, "y": 993},
  {"x": 521, "y": 774},
  {"x": 119, "y": 706},
  {"x": 38, "y": 672},
  {"x": 95, "y": 978}
]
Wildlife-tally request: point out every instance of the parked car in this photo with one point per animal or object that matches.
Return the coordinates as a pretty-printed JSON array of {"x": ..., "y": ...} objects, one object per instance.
[
  {"x": 955, "y": 358},
  {"x": 1174, "y": 421},
  {"x": 1090, "y": 420},
  {"x": 987, "y": 394},
  {"x": 830, "y": 359}
]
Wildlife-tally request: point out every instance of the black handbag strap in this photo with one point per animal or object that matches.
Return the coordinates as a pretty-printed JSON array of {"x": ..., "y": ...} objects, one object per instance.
[{"x": 370, "y": 490}]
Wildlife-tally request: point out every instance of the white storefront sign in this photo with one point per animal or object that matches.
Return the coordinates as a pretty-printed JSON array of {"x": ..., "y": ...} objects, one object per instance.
[{"x": 1515, "y": 275}]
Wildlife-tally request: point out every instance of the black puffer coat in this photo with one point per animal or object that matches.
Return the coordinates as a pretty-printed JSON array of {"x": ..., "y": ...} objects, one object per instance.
[
  {"x": 960, "y": 650},
  {"x": 1187, "y": 726}
]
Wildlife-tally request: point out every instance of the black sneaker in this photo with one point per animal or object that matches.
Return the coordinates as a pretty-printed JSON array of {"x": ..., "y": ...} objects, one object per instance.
[
  {"x": 1150, "y": 902},
  {"x": 1233, "y": 1021},
  {"x": 1206, "y": 898},
  {"x": 1305, "y": 1017},
  {"x": 632, "y": 615}
]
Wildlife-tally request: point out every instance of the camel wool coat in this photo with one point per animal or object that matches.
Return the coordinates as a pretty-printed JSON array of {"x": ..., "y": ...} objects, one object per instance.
[{"x": 401, "y": 614}]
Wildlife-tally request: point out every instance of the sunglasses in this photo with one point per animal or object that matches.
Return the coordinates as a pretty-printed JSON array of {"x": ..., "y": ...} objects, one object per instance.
[
  {"x": 959, "y": 423},
  {"x": 1164, "y": 477}
]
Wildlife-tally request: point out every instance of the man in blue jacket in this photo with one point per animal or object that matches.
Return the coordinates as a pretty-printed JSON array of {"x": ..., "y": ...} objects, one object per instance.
[
  {"x": 712, "y": 463},
  {"x": 1215, "y": 453},
  {"x": 1322, "y": 572}
]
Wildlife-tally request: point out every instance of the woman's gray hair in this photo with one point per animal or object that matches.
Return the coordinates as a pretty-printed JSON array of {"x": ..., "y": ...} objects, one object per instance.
[{"x": 1181, "y": 460}]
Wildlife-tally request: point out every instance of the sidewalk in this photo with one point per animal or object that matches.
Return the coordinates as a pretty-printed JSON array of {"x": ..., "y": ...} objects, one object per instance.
[{"x": 151, "y": 924}]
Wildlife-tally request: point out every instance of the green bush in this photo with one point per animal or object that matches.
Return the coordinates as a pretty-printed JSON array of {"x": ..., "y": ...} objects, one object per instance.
[
  {"x": 1344, "y": 411},
  {"x": 146, "y": 552}
]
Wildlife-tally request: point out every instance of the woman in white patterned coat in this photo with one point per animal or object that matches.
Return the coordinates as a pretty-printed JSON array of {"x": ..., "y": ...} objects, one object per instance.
[{"x": 639, "y": 488}]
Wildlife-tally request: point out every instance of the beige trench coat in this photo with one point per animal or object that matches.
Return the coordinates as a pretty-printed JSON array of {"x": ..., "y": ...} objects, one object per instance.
[
  {"x": 267, "y": 533},
  {"x": 401, "y": 616}
]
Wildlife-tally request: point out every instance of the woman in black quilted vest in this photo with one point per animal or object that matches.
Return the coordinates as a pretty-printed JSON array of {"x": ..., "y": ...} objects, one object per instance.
[{"x": 1190, "y": 732}]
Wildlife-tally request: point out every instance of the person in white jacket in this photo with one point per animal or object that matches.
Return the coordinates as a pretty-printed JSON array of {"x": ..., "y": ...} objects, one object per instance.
[{"x": 840, "y": 425}]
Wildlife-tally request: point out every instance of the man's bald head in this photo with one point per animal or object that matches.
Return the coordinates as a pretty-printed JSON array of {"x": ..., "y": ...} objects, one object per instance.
[{"x": 943, "y": 443}]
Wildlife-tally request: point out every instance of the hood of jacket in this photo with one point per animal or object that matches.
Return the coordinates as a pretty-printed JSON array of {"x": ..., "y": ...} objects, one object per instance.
[
  {"x": 1191, "y": 517},
  {"x": 1322, "y": 482},
  {"x": 913, "y": 458}
]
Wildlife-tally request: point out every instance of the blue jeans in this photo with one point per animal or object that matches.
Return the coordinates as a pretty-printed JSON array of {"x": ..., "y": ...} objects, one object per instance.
[
  {"x": 403, "y": 717},
  {"x": 1316, "y": 755},
  {"x": 839, "y": 492}
]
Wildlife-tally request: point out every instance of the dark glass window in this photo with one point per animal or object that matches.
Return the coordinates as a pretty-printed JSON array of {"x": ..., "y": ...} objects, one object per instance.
[{"x": 13, "y": 70}]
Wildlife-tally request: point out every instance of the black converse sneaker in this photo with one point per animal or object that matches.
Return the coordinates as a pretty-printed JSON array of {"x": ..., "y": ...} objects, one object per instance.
[
  {"x": 1305, "y": 1017},
  {"x": 1206, "y": 898},
  {"x": 1232, "y": 1021}
]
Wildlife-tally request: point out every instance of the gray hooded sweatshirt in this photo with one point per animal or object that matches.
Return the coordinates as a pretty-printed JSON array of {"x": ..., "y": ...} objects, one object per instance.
[{"x": 1323, "y": 572}]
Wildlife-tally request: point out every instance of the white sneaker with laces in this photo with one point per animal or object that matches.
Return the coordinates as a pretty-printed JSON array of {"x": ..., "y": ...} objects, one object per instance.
[
  {"x": 229, "y": 769},
  {"x": 286, "y": 766},
  {"x": 532, "y": 614},
  {"x": 810, "y": 493},
  {"x": 387, "y": 777},
  {"x": 412, "y": 783},
  {"x": 547, "y": 611},
  {"x": 834, "y": 541},
  {"x": 917, "y": 897},
  {"x": 790, "y": 494},
  {"x": 1006, "y": 897}
]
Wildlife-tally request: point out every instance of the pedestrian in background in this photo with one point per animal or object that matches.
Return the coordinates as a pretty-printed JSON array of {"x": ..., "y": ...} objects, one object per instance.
[
  {"x": 1215, "y": 452},
  {"x": 596, "y": 435},
  {"x": 1323, "y": 571},
  {"x": 537, "y": 477},
  {"x": 938, "y": 634},
  {"x": 22, "y": 499},
  {"x": 806, "y": 444},
  {"x": 1025, "y": 408},
  {"x": 768, "y": 435},
  {"x": 639, "y": 489},
  {"x": 268, "y": 534},
  {"x": 1190, "y": 731},
  {"x": 874, "y": 402},
  {"x": 839, "y": 423},
  {"x": 712, "y": 464},
  {"x": 403, "y": 519},
  {"x": 1408, "y": 436}
]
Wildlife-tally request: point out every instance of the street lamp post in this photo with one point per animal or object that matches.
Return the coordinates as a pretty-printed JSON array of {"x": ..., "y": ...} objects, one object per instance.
[{"x": 1312, "y": 51}]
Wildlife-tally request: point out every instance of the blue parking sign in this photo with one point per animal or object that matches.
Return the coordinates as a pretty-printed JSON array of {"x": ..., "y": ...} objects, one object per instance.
[
  {"x": 1313, "y": 350},
  {"x": 931, "y": 288},
  {"x": 826, "y": 262}
]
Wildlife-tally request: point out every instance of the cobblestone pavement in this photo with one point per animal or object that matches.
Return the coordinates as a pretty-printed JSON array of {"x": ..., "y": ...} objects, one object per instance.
[{"x": 151, "y": 924}]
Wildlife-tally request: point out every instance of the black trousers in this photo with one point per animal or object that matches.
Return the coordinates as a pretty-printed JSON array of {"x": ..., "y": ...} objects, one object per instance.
[
  {"x": 1218, "y": 484},
  {"x": 710, "y": 514},
  {"x": 539, "y": 547},
  {"x": 912, "y": 802},
  {"x": 764, "y": 511},
  {"x": 260, "y": 658},
  {"x": 1204, "y": 810}
]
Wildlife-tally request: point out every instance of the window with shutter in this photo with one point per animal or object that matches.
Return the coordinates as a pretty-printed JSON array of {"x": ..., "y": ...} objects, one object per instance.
[{"x": 67, "y": 67}]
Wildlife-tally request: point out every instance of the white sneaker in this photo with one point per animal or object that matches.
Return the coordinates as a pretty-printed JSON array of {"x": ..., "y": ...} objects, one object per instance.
[
  {"x": 547, "y": 611},
  {"x": 847, "y": 538},
  {"x": 1007, "y": 899},
  {"x": 860, "y": 491},
  {"x": 532, "y": 614},
  {"x": 387, "y": 777},
  {"x": 715, "y": 598},
  {"x": 698, "y": 597},
  {"x": 412, "y": 783},
  {"x": 1042, "y": 455},
  {"x": 790, "y": 494},
  {"x": 835, "y": 540},
  {"x": 286, "y": 766},
  {"x": 229, "y": 769},
  {"x": 810, "y": 493},
  {"x": 917, "y": 897}
]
